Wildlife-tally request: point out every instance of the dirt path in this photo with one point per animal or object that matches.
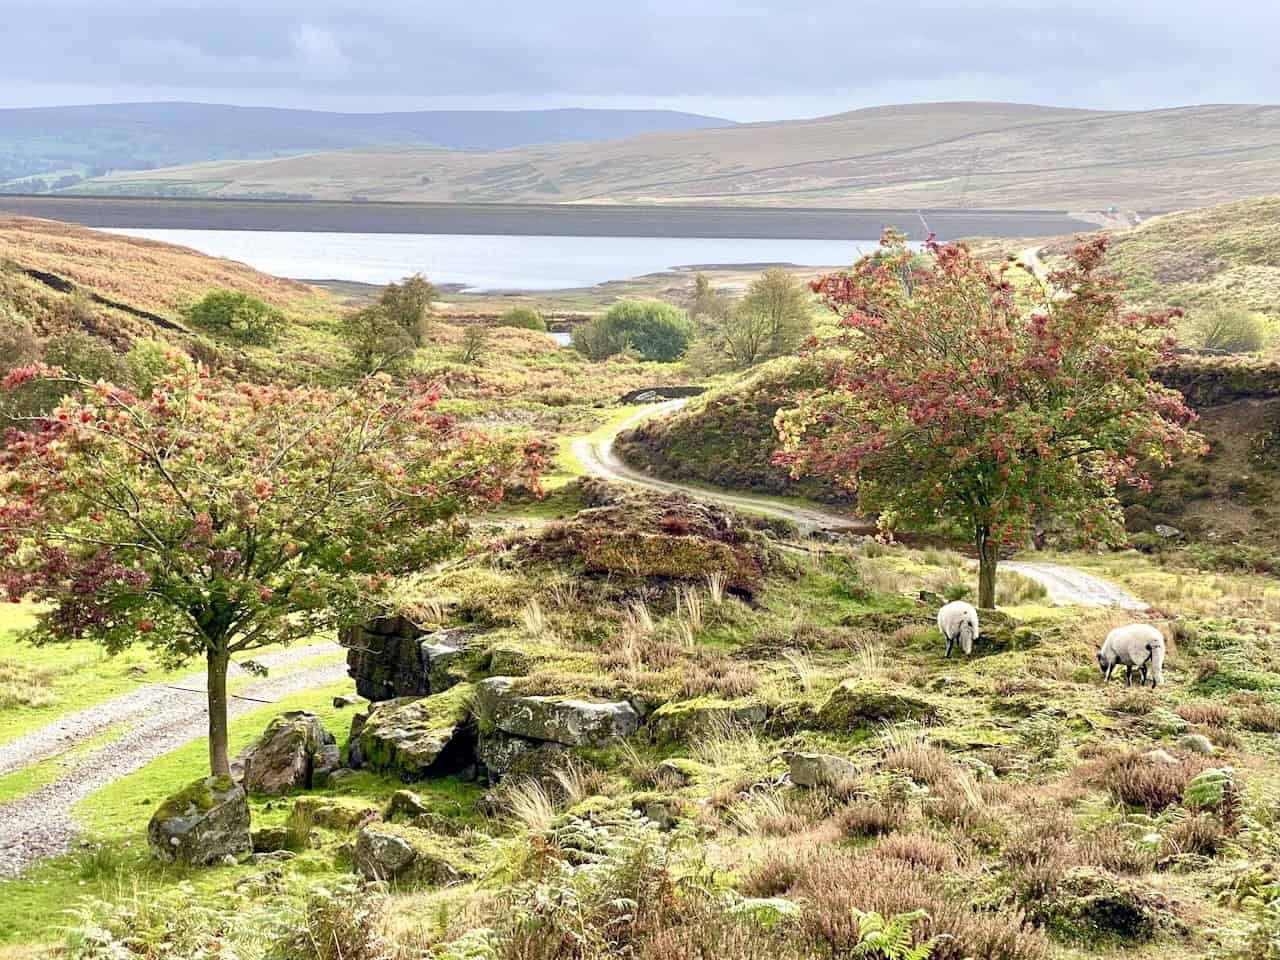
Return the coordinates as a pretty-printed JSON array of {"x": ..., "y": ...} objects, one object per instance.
[
  {"x": 1069, "y": 585},
  {"x": 159, "y": 718},
  {"x": 597, "y": 457},
  {"x": 1065, "y": 584}
]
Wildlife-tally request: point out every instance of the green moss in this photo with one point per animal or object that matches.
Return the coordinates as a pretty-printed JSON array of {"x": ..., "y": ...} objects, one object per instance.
[
  {"x": 859, "y": 702},
  {"x": 198, "y": 794}
]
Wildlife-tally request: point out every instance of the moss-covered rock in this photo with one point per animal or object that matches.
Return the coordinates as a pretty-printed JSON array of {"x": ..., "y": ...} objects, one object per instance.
[
  {"x": 565, "y": 720},
  {"x": 386, "y": 851},
  {"x": 391, "y": 657},
  {"x": 203, "y": 823},
  {"x": 682, "y": 721},
  {"x": 503, "y": 755},
  {"x": 1090, "y": 907},
  {"x": 821, "y": 770},
  {"x": 858, "y": 702},
  {"x": 415, "y": 739},
  {"x": 341, "y": 814}
]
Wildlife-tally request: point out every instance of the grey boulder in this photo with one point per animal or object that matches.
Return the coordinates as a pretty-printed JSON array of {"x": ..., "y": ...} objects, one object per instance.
[
  {"x": 203, "y": 823},
  {"x": 573, "y": 723}
]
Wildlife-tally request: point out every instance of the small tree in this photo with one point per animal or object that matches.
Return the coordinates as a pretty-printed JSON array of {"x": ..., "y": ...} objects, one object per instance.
[
  {"x": 1228, "y": 328},
  {"x": 525, "y": 318},
  {"x": 213, "y": 518},
  {"x": 237, "y": 315},
  {"x": 475, "y": 342},
  {"x": 707, "y": 305},
  {"x": 653, "y": 329},
  {"x": 955, "y": 404},
  {"x": 746, "y": 337},
  {"x": 786, "y": 304},
  {"x": 376, "y": 341},
  {"x": 408, "y": 305}
]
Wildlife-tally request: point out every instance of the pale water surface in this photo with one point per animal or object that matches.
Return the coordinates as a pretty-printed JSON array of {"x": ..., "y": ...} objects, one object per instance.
[{"x": 492, "y": 262}]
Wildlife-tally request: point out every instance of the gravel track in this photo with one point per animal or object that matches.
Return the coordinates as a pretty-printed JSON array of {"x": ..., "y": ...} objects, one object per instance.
[
  {"x": 160, "y": 719},
  {"x": 1065, "y": 585},
  {"x": 597, "y": 457}
]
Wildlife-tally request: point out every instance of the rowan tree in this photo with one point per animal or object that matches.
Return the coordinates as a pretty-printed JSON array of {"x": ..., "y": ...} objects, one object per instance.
[
  {"x": 213, "y": 518},
  {"x": 962, "y": 401}
]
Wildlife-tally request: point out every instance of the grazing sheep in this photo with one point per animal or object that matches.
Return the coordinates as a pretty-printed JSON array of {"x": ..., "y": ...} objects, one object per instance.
[
  {"x": 1135, "y": 645},
  {"x": 959, "y": 621}
]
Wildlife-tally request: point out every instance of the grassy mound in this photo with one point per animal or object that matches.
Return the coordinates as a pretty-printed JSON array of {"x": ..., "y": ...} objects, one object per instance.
[{"x": 726, "y": 437}]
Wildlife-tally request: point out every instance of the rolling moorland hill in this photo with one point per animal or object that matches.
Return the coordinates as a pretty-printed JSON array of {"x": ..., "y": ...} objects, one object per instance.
[
  {"x": 44, "y": 147},
  {"x": 980, "y": 155}
]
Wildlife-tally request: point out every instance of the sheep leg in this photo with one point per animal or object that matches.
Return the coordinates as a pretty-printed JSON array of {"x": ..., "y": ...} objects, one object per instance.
[
  {"x": 1128, "y": 675},
  {"x": 950, "y": 641}
]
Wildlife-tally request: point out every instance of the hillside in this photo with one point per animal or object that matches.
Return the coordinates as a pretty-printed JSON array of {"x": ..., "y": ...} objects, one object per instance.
[
  {"x": 988, "y": 155},
  {"x": 47, "y": 147},
  {"x": 1195, "y": 258}
]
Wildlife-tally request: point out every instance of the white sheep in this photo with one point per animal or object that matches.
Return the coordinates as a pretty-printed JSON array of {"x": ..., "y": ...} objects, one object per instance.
[
  {"x": 959, "y": 621},
  {"x": 1135, "y": 645}
]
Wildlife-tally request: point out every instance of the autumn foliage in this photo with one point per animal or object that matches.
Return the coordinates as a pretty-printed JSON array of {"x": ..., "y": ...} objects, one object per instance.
[
  {"x": 962, "y": 400},
  {"x": 215, "y": 517}
]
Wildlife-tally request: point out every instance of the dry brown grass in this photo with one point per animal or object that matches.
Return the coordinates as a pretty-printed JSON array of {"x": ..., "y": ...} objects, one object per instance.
[
  {"x": 918, "y": 850},
  {"x": 1138, "y": 780},
  {"x": 1204, "y": 713},
  {"x": 865, "y": 817},
  {"x": 1260, "y": 718}
]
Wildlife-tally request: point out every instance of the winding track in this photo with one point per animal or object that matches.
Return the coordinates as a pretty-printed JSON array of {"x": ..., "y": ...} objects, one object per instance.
[
  {"x": 1065, "y": 585},
  {"x": 160, "y": 718}
]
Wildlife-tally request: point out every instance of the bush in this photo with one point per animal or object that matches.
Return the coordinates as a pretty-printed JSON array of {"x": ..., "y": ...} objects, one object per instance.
[
  {"x": 653, "y": 329},
  {"x": 526, "y": 318},
  {"x": 1229, "y": 329},
  {"x": 237, "y": 315},
  {"x": 149, "y": 359},
  {"x": 1139, "y": 780}
]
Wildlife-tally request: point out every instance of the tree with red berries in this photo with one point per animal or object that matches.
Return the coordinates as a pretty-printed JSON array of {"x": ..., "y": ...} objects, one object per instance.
[
  {"x": 214, "y": 518},
  {"x": 960, "y": 399}
]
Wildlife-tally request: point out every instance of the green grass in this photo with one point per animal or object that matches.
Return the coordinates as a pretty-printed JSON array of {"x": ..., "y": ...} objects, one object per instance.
[{"x": 22, "y": 783}]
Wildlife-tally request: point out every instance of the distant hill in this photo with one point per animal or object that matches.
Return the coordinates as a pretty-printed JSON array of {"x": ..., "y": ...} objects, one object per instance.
[
  {"x": 975, "y": 155},
  {"x": 54, "y": 145}
]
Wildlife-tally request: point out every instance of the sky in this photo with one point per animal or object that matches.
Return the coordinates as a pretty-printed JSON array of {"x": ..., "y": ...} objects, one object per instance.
[{"x": 740, "y": 59}]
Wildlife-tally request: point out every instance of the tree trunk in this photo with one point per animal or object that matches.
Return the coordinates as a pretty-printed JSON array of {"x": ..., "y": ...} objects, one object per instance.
[
  {"x": 988, "y": 558},
  {"x": 219, "y": 762}
]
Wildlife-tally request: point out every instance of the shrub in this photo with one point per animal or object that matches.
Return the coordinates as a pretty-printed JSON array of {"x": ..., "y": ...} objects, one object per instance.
[
  {"x": 1204, "y": 713},
  {"x": 653, "y": 329},
  {"x": 475, "y": 343},
  {"x": 526, "y": 318},
  {"x": 869, "y": 818},
  {"x": 1139, "y": 780},
  {"x": 1260, "y": 718},
  {"x": 149, "y": 359},
  {"x": 917, "y": 849},
  {"x": 237, "y": 315},
  {"x": 1228, "y": 328}
]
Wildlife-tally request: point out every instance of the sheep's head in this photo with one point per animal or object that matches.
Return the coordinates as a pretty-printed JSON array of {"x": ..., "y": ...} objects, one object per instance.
[
  {"x": 1102, "y": 663},
  {"x": 967, "y": 634}
]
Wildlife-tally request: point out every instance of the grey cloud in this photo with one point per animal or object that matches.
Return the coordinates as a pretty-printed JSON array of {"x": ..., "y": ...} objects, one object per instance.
[{"x": 1126, "y": 53}]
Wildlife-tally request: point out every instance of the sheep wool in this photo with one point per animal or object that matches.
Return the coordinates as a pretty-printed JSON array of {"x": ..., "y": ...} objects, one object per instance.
[
  {"x": 1135, "y": 645},
  {"x": 958, "y": 621}
]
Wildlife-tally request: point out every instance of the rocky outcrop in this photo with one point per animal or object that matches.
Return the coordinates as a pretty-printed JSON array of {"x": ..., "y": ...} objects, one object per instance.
[
  {"x": 294, "y": 752},
  {"x": 203, "y": 823},
  {"x": 415, "y": 738},
  {"x": 392, "y": 657},
  {"x": 573, "y": 723}
]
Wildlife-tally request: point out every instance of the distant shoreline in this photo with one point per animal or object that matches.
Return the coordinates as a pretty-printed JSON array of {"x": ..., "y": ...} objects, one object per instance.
[{"x": 537, "y": 219}]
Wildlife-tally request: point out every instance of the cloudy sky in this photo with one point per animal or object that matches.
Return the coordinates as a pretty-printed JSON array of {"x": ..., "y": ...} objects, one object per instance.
[{"x": 743, "y": 59}]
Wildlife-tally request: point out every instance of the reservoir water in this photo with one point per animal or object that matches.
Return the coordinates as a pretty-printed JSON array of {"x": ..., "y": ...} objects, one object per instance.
[{"x": 485, "y": 263}]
